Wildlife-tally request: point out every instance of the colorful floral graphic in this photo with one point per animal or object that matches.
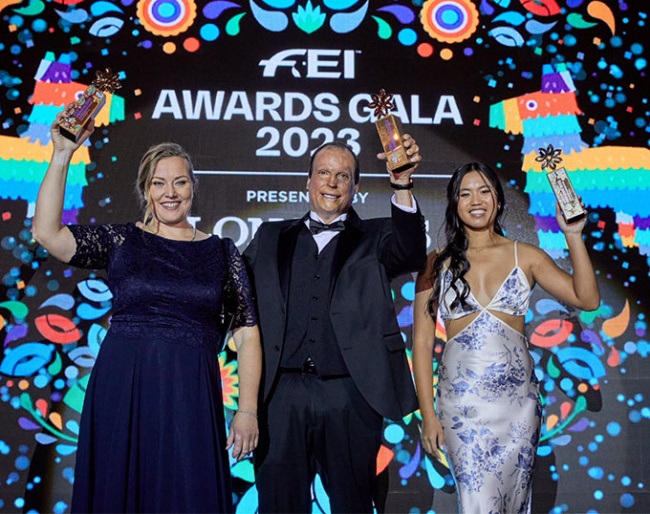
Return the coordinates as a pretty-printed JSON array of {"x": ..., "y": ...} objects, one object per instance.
[
  {"x": 166, "y": 17},
  {"x": 449, "y": 21},
  {"x": 591, "y": 366}
]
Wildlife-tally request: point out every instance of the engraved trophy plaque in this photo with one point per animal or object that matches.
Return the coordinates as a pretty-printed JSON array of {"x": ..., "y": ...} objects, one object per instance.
[
  {"x": 89, "y": 104},
  {"x": 567, "y": 198},
  {"x": 390, "y": 130}
]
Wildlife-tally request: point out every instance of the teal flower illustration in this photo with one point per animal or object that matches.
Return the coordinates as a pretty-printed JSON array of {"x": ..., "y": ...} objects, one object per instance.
[{"x": 308, "y": 19}]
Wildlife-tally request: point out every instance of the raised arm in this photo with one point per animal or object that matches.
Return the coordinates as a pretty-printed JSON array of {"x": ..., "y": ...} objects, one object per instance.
[
  {"x": 424, "y": 330},
  {"x": 580, "y": 288},
  {"x": 46, "y": 225}
]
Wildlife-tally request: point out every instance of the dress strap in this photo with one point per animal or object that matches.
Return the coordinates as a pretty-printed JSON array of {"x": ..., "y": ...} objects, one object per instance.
[{"x": 516, "y": 257}]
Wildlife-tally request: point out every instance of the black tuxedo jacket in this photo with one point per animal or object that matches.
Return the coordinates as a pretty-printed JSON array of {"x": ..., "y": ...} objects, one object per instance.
[{"x": 369, "y": 254}]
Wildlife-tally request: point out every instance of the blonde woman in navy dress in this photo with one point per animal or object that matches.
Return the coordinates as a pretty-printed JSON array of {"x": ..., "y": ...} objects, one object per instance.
[
  {"x": 153, "y": 435},
  {"x": 487, "y": 416}
]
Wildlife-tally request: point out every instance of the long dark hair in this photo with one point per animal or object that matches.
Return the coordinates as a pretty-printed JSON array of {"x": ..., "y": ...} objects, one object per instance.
[{"x": 456, "y": 248}]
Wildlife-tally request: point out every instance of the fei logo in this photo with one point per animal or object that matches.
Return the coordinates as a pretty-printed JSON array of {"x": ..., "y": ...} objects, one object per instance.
[{"x": 312, "y": 64}]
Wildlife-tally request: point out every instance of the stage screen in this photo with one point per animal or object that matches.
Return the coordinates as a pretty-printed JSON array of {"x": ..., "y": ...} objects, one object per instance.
[{"x": 249, "y": 88}]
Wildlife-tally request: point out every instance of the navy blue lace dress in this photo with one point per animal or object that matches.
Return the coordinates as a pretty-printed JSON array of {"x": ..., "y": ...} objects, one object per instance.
[{"x": 152, "y": 435}]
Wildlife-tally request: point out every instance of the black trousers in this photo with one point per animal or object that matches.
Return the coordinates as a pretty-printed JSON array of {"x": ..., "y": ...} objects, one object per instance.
[{"x": 312, "y": 425}]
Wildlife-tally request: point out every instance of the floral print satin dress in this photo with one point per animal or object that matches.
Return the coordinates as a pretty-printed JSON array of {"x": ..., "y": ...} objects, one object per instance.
[{"x": 488, "y": 401}]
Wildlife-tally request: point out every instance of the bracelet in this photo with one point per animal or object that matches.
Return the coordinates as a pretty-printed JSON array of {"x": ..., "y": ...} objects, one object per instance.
[
  {"x": 247, "y": 412},
  {"x": 401, "y": 187}
]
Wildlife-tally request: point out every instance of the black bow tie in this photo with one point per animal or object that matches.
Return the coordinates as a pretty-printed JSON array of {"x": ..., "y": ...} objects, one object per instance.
[{"x": 316, "y": 226}]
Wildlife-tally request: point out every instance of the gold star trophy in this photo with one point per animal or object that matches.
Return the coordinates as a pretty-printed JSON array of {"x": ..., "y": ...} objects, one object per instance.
[
  {"x": 567, "y": 198},
  {"x": 89, "y": 104},
  {"x": 390, "y": 130}
]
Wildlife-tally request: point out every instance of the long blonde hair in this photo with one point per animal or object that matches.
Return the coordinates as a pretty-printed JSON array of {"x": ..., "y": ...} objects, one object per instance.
[{"x": 148, "y": 164}]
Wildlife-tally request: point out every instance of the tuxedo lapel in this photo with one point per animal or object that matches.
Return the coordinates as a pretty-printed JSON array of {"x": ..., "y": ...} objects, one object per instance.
[
  {"x": 286, "y": 246},
  {"x": 348, "y": 241}
]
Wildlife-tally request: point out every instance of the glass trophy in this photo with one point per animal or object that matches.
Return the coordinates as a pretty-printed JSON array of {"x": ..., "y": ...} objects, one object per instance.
[{"x": 558, "y": 177}]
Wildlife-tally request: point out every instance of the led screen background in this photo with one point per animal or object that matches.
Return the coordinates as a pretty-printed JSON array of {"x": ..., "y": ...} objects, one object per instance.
[{"x": 248, "y": 88}]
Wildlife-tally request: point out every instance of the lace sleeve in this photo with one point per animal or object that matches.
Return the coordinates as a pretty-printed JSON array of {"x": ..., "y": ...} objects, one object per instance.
[
  {"x": 94, "y": 244},
  {"x": 246, "y": 315}
]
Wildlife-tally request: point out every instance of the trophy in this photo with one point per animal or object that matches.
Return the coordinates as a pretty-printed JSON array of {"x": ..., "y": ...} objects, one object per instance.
[
  {"x": 389, "y": 130},
  {"x": 569, "y": 202},
  {"x": 89, "y": 104}
]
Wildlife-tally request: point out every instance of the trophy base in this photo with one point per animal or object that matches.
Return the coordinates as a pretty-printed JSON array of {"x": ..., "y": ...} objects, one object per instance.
[
  {"x": 575, "y": 218},
  {"x": 396, "y": 169},
  {"x": 74, "y": 134}
]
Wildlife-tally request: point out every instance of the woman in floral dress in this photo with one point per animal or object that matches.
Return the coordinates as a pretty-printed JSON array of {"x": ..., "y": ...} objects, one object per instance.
[{"x": 488, "y": 412}]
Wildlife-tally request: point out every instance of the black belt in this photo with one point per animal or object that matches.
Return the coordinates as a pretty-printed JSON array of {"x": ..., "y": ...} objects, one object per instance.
[{"x": 308, "y": 368}]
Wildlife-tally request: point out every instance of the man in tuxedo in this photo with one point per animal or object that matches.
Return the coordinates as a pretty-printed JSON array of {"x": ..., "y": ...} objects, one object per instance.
[{"x": 334, "y": 359}]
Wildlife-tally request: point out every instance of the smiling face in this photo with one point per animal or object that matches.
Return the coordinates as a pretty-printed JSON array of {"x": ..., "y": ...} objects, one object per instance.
[
  {"x": 171, "y": 191},
  {"x": 477, "y": 202},
  {"x": 332, "y": 184}
]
